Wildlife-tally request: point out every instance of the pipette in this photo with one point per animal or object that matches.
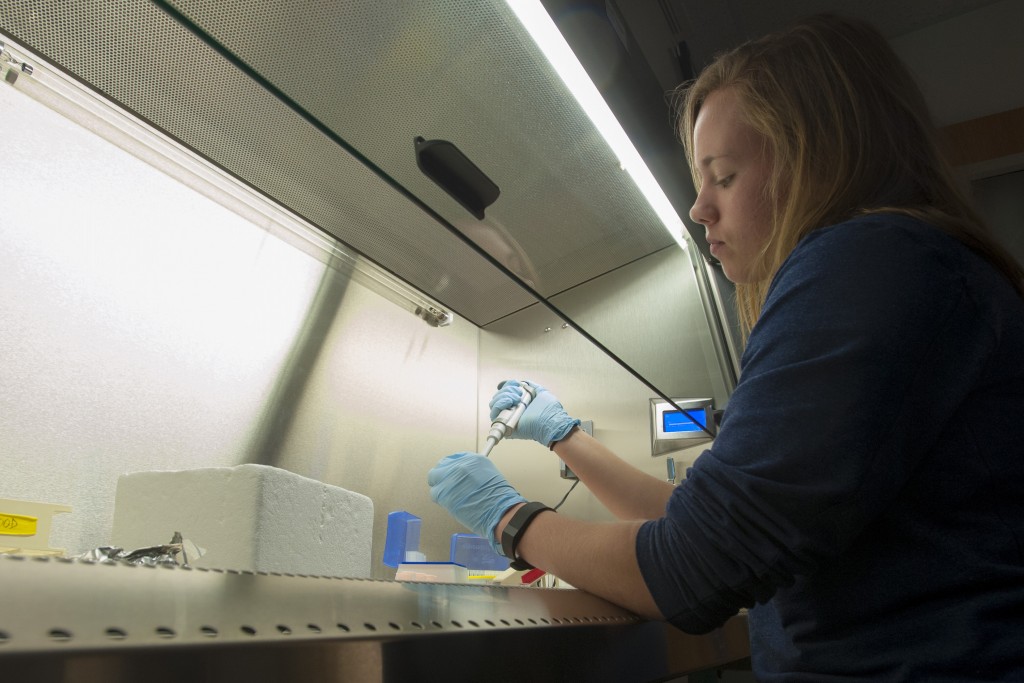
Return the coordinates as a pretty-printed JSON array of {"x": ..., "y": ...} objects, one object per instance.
[{"x": 507, "y": 419}]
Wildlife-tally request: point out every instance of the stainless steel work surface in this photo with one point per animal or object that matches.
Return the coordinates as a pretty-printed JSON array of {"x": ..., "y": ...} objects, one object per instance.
[{"x": 68, "y": 620}]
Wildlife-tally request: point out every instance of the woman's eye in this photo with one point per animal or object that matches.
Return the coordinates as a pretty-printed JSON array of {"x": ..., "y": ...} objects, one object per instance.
[{"x": 726, "y": 181}]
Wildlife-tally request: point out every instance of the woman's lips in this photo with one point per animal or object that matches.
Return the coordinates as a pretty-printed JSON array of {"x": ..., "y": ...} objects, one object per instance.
[{"x": 715, "y": 247}]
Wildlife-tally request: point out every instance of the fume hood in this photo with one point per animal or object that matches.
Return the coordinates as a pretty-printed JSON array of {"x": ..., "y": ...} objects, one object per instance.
[{"x": 319, "y": 106}]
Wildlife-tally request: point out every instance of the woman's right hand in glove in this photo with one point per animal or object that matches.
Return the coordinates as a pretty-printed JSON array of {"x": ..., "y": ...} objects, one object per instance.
[{"x": 544, "y": 420}]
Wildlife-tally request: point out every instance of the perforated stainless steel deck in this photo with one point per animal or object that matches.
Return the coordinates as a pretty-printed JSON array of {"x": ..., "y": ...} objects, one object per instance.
[{"x": 71, "y": 620}]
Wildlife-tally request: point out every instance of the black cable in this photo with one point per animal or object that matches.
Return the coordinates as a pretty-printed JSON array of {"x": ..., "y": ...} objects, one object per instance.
[{"x": 566, "y": 495}]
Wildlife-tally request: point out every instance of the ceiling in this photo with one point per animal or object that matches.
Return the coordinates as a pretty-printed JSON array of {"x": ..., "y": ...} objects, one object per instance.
[
  {"x": 963, "y": 54},
  {"x": 709, "y": 27},
  {"x": 703, "y": 28}
]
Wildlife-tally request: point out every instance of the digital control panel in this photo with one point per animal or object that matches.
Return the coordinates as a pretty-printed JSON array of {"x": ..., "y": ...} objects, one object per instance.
[{"x": 680, "y": 424}]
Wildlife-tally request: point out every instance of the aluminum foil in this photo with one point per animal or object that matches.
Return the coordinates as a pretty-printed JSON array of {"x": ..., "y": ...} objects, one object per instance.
[{"x": 179, "y": 552}]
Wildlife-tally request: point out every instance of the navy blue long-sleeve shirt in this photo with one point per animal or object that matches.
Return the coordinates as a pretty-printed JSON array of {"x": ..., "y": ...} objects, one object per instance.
[{"x": 865, "y": 492}]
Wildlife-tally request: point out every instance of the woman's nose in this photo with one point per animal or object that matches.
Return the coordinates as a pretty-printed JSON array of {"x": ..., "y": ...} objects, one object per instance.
[{"x": 702, "y": 211}]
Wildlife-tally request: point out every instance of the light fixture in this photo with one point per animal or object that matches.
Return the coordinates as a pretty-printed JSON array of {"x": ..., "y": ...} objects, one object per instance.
[
  {"x": 538, "y": 23},
  {"x": 53, "y": 88}
]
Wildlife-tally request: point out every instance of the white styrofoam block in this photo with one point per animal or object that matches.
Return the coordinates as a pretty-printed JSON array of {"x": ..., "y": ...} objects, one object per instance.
[{"x": 248, "y": 517}]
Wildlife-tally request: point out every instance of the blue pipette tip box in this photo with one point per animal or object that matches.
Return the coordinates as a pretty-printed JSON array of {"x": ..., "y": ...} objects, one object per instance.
[
  {"x": 403, "y": 536},
  {"x": 475, "y": 552}
]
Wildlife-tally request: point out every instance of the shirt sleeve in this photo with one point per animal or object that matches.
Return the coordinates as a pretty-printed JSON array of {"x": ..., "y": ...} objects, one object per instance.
[{"x": 847, "y": 379}]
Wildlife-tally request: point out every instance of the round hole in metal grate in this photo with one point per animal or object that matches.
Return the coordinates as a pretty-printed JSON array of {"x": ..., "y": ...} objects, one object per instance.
[
  {"x": 59, "y": 634},
  {"x": 165, "y": 632},
  {"x": 209, "y": 631},
  {"x": 115, "y": 633}
]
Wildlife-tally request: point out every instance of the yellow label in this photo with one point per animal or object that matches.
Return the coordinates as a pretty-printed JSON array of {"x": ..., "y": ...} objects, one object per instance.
[{"x": 17, "y": 525}]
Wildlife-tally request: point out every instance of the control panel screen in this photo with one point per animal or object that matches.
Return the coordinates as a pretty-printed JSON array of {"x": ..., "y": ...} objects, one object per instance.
[{"x": 673, "y": 421}]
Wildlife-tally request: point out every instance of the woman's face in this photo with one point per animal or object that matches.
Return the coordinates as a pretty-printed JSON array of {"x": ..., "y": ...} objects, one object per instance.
[{"x": 734, "y": 172}]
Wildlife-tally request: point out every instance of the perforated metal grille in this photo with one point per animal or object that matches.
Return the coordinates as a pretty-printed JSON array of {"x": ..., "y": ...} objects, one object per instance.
[
  {"x": 376, "y": 75},
  {"x": 96, "y": 606},
  {"x": 380, "y": 74},
  {"x": 140, "y": 57},
  {"x": 71, "y": 621}
]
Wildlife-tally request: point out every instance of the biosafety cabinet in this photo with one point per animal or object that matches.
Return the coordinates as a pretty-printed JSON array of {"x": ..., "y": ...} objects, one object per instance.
[{"x": 313, "y": 236}]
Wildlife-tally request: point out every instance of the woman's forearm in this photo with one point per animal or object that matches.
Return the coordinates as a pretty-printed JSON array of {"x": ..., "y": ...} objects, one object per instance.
[
  {"x": 626, "y": 491},
  {"x": 597, "y": 557}
]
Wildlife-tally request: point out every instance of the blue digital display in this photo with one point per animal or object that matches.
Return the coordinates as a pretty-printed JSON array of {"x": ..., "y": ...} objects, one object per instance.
[{"x": 677, "y": 420}]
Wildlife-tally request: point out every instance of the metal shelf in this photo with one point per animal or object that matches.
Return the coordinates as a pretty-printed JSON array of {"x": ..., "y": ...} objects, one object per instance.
[{"x": 68, "y": 620}]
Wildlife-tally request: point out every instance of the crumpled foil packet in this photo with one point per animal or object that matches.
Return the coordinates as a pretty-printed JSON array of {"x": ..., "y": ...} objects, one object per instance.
[{"x": 179, "y": 552}]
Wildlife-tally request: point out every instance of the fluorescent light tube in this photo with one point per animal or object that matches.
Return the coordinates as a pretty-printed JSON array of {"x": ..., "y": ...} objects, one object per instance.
[
  {"x": 63, "y": 94},
  {"x": 538, "y": 23}
]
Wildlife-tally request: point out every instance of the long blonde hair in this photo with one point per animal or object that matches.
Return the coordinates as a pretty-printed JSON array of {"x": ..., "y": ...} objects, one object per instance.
[{"x": 847, "y": 132}]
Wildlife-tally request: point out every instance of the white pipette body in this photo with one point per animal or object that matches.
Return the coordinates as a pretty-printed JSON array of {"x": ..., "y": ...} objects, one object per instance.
[{"x": 507, "y": 419}]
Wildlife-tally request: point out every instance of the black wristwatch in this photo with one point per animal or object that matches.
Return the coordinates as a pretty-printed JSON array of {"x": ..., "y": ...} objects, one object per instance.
[{"x": 514, "y": 531}]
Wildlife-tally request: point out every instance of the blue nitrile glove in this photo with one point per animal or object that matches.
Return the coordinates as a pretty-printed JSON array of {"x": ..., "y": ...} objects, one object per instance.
[
  {"x": 472, "y": 489},
  {"x": 544, "y": 420}
]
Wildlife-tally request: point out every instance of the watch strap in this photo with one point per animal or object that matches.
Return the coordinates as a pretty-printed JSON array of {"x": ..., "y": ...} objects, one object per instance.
[{"x": 514, "y": 530}]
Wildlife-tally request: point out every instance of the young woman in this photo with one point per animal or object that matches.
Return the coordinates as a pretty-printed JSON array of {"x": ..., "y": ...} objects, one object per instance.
[{"x": 864, "y": 493}]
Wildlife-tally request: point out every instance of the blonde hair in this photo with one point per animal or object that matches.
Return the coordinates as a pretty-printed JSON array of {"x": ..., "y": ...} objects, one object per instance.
[{"x": 846, "y": 131}]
